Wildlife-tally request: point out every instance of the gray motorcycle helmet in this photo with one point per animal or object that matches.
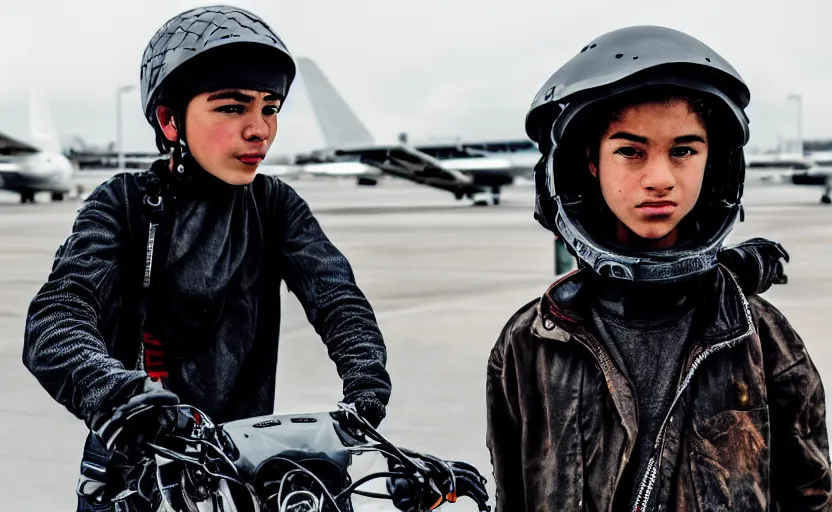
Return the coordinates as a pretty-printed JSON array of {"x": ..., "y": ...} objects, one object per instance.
[
  {"x": 624, "y": 62},
  {"x": 197, "y": 31}
]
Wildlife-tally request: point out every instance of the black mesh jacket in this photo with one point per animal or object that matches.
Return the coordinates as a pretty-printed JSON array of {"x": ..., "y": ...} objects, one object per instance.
[{"x": 215, "y": 299}]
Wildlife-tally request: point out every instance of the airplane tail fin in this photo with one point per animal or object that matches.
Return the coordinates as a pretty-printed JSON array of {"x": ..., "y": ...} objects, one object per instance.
[
  {"x": 42, "y": 130},
  {"x": 340, "y": 126}
]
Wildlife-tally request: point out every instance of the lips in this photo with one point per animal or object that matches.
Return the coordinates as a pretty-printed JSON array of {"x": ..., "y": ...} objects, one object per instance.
[
  {"x": 657, "y": 208},
  {"x": 251, "y": 158}
]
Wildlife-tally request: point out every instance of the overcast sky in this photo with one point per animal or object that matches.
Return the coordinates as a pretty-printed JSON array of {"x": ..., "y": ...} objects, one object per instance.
[{"x": 433, "y": 68}]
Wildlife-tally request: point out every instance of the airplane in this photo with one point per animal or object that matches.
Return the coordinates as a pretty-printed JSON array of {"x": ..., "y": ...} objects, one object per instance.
[
  {"x": 814, "y": 169},
  {"x": 33, "y": 162},
  {"x": 466, "y": 169},
  {"x": 280, "y": 165}
]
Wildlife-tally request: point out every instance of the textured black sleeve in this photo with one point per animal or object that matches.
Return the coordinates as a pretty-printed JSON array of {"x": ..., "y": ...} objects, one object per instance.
[
  {"x": 62, "y": 345},
  {"x": 323, "y": 281}
]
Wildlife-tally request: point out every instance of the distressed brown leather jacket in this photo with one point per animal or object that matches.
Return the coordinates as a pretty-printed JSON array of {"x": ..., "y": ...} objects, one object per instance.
[{"x": 746, "y": 430}]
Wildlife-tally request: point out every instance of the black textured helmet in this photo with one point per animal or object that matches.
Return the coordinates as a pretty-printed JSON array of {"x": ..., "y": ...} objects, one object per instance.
[
  {"x": 195, "y": 32},
  {"x": 615, "y": 66}
]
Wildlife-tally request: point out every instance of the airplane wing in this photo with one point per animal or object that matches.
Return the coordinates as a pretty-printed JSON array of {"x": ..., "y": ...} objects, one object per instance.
[
  {"x": 411, "y": 164},
  {"x": 11, "y": 146}
]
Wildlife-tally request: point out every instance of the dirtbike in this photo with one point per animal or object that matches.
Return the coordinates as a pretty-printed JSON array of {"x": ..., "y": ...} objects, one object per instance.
[{"x": 280, "y": 463}]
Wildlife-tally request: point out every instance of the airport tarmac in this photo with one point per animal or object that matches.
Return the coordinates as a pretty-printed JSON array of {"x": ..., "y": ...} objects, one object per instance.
[{"x": 443, "y": 278}]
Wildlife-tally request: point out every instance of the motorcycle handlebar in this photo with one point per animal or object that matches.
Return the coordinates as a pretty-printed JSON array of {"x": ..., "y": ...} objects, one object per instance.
[{"x": 204, "y": 462}]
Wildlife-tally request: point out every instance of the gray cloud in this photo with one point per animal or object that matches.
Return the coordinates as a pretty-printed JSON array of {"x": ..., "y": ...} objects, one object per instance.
[{"x": 432, "y": 68}]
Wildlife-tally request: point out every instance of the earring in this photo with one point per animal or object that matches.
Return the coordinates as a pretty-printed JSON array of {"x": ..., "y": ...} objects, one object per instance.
[{"x": 180, "y": 152}]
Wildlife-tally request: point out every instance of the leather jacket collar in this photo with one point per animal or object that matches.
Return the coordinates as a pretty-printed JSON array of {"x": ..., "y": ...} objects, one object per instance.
[{"x": 722, "y": 311}]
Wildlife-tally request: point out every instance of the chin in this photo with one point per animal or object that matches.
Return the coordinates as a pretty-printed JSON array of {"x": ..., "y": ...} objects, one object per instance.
[
  {"x": 244, "y": 179},
  {"x": 239, "y": 177},
  {"x": 654, "y": 232}
]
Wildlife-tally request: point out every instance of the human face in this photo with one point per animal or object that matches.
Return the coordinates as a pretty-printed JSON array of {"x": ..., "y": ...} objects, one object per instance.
[
  {"x": 651, "y": 163},
  {"x": 229, "y": 132}
]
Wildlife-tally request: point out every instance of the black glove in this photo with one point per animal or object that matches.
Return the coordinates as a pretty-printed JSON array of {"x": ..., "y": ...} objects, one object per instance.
[
  {"x": 756, "y": 263},
  {"x": 449, "y": 481},
  {"x": 467, "y": 482},
  {"x": 136, "y": 420},
  {"x": 370, "y": 408}
]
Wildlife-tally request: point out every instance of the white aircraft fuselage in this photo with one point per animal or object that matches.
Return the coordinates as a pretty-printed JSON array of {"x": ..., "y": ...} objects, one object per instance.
[
  {"x": 30, "y": 160},
  {"x": 30, "y": 173}
]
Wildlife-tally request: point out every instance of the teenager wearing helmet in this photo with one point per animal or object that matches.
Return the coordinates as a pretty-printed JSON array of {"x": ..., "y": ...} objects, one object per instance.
[
  {"x": 654, "y": 377},
  {"x": 168, "y": 288}
]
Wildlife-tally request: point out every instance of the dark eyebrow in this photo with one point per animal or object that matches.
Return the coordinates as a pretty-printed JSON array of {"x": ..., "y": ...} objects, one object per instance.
[
  {"x": 689, "y": 138},
  {"x": 232, "y": 94},
  {"x": 629, "y": 136},
  {"x": 643, "y": 140}
]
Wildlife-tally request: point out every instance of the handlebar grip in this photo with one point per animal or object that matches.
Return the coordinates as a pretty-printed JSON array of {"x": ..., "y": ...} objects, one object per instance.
[{"x": 404, "y": 494}]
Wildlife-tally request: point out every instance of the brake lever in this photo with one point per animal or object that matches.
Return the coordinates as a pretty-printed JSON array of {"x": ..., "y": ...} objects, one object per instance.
[
  {"x": 473, "y": 487},
  {"x": 188, "y": 418},
  {"x": 352, "y": 414},
  {"x": 457, "y": 479}
]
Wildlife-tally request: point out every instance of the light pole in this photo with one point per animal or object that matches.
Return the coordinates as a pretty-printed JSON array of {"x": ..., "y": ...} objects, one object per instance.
[
  {"x": 119, "y": 138},
  {"x": 797, "y": 98}
]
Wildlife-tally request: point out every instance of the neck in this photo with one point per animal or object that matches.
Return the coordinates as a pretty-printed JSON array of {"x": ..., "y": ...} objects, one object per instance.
[{"x": 644, "y": 301}]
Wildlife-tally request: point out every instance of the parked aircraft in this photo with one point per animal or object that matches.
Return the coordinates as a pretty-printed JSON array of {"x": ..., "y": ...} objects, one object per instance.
[
  {"x": 814, "y": 169},
  {"x": 466, "y": 169},
  {"x": 32, "y": 161}
]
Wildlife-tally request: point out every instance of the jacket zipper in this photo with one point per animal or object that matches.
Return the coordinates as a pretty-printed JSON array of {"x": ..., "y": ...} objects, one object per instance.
[
  {"x": 648, "y": 481},
  {"x": 645, "y": 489},
  {"x": 154, "y": 206},
  {"x": 154, "y": 212},
  {"x": 151, "y": 240}
]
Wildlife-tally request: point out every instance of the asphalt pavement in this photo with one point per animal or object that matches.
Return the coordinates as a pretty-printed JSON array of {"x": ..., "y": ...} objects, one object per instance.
[{"x": 443, "y": 277}]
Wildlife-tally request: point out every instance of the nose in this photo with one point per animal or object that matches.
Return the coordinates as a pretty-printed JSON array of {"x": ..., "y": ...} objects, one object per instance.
[
  {"x": 659, "y": 176},
  {"x": 257, "y": 128}
]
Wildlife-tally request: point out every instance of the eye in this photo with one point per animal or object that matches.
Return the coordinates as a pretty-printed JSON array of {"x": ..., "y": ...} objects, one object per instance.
[
  {"x": 232, "y": 109},
  {"x": 628, "y": 152},
  {"x": 271, "y": 110},
  {"x": 682, "y": 152}
]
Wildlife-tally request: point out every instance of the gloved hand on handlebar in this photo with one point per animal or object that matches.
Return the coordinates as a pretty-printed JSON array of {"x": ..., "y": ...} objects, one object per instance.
[
  {"x": 469, "y": 483},
  {"x": 136, "y": 420},
  {"x": 369, "y": 407},
  {"x": 448, "y": 481}
]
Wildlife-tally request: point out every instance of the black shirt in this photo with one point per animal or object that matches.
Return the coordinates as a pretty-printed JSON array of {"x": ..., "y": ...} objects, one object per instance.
[{"x": 646, "y": 329}]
